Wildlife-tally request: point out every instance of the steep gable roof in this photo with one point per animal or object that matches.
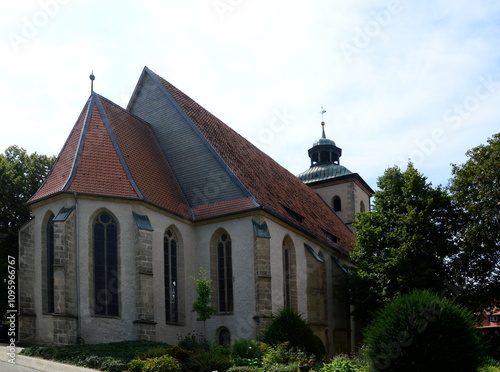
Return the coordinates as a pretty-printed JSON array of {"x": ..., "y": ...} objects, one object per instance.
[
  {"x": 167, "y": 150},
  {"x": 270, "y": 186},
  {"x": 110, "y": 152}
]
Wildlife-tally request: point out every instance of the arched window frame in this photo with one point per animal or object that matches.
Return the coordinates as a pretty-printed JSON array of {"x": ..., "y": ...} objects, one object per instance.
[
  {"x": 222, "y": 272},
  {"x": 105, "y": 265},
  {"x": 337, "y": 203},
  {"x": 48, "y": 260},
  {"x": 50, "y": 265},
  {"x": 223, "y": 335},
  {"x": 289, "y": 274},
  {"x": 171, "y": 276}
]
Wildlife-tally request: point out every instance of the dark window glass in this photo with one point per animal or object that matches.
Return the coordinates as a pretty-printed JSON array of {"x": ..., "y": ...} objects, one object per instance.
[
  {"x": 105, "y": 266},
  {"x": 171, "y": 280},
  {"x": 286, "y": 279},
  {"x": 50, "y": 265},
  {"x": 224, "y": 338},
  {"x": 225, "y": 274},
  {"x": 337, "y": 207}
]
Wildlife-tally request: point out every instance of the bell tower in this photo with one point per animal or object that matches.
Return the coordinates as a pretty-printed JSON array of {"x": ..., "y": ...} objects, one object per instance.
[{"x": 344, "y": 191}]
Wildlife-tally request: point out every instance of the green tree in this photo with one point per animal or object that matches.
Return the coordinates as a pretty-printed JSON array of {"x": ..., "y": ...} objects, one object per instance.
[
  {"x": 475, "y": 186},
  {"x": 202, "y": 303},
  {"x": 421, "y": 331},
  {"x": 404, "y": 243},
  {"x": 21, "y": 175}
]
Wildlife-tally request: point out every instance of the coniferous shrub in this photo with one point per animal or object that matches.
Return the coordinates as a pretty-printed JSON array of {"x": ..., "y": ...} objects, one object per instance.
[
  {"x": 422, "y": 332},
  {"x": 289, "y": 326}
]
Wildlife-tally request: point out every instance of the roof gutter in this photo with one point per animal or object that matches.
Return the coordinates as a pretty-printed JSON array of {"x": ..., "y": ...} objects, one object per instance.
[{"x": 338, "y": 248}]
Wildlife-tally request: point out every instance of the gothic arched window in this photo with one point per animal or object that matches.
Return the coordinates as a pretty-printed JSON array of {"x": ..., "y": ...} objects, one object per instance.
[
  {"x": 170, "y": 254},
  {"x": 105, "y": 265},
  {"x": 224, "y": 273},
  {"x": 289, "y": 274},
  {"x": 50, "y": 265},
  {"x": 337, "y": 205}
]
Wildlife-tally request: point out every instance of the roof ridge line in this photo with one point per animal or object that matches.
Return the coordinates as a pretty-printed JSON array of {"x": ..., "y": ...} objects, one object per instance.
[
  {"x": 124, "y": 110},
  {"x": 81, "y": 141},
  {"x": 129, "y": 107},
  {"x": 117, "y": 148},
  {"x": 216, "y": 155},
  {"x": 59, "y": 155}
]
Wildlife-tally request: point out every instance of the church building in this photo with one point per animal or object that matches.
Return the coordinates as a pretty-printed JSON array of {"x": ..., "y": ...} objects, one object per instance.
[{"x": 140, "y": 200}]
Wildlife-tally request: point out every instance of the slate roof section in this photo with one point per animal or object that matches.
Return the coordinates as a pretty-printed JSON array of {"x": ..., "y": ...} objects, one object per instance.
[{"x": 271, "y": 185}]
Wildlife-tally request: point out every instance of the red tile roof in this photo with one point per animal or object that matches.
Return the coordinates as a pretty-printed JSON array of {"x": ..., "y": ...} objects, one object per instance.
[
  {"x": 119, "y": 155},
  {"x": 272, "y": 186},
  {"x": 100, "y": 165},
  {"x": 61, "y": 171},
  {"x": 145, "y": 160},
  {"x": 99, "y": 169}
]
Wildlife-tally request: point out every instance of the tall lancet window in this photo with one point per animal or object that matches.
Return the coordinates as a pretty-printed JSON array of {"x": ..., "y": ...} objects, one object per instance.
[
  {"x": 224, "y": 274},
  {"x": 50, "y": 265},
  {"x": 106, "y": 288},
  {"x": 287, "y": 274},
  {"x": 170, "y": 254}
]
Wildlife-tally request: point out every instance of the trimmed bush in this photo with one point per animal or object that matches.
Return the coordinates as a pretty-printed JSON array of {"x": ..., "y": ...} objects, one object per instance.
[
  {"x": 162, "y": 364},
  {"x": 214, "y": 359},
  {"x": 288, "y": 326},
  {"x": 136, "y": 365},
  {"x": 154, "y": 352},
  {"x": 423, "y": 332},
  {"x": 179, "y": 353}
]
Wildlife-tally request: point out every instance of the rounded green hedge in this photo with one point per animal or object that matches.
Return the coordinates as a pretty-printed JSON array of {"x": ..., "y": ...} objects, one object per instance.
[
  {"x": 288, "y": 326},
  {"x": 422, "y": 332}
]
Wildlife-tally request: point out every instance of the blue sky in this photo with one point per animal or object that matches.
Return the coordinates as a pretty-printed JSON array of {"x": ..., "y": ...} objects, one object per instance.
[{"x": 399, "y": 79}]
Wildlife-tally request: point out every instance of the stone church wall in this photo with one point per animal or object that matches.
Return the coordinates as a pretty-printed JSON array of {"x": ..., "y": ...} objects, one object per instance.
[{"x": 258, "y": 277}]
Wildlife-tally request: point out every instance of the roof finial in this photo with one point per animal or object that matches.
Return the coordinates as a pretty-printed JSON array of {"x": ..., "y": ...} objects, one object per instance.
[
  {"x": 92, "y": 78},
  {"x": 322, "y": 122}
]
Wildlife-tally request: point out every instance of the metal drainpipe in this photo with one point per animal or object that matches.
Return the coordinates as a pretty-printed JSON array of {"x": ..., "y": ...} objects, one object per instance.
[{"x": 77, "y": 272}]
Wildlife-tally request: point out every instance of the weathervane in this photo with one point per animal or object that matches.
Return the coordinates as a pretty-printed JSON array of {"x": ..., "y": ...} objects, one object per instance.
[
  {"x": 322, "y": 121},
  {"x": 322, "y": 112}
]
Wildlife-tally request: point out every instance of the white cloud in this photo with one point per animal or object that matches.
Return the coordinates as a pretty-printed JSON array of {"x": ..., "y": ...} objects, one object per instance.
[{"x": 382, "y": 102}]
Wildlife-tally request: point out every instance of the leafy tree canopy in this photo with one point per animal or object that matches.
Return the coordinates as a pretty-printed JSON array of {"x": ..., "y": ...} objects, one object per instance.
[
  {"x": 21, "y": 175},
  {"x": 404, "y": 242},
  {"x": 475, "y": 187}
]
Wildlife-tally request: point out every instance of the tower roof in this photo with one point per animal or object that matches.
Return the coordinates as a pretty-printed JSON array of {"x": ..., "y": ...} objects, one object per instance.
[
  {"x": 323, "y": 172},
  {"x": 167, "y": 150}
]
